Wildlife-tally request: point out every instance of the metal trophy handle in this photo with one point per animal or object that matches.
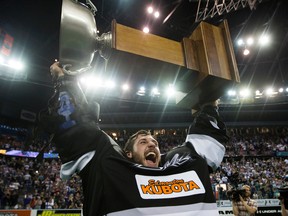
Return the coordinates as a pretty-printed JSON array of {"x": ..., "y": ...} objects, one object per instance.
[{"x": 79, "y": 39}]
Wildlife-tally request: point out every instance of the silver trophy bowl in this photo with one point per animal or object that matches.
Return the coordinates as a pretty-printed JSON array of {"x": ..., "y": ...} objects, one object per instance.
[{"x": 79, "y": 38}]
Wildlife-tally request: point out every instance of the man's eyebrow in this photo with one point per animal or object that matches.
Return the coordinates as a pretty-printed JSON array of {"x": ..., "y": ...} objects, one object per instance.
[{"x": 143, "y": 138}]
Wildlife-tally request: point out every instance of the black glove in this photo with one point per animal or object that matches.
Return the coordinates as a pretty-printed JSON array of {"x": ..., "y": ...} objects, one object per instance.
[{"x": 208, "y": 122}]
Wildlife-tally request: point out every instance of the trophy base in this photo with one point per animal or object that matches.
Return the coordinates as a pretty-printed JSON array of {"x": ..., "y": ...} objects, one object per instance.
[{"x": 209, "y": 89}]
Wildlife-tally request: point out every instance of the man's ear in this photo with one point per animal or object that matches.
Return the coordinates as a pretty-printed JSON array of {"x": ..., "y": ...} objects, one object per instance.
[{"x": 129, "y": 154}]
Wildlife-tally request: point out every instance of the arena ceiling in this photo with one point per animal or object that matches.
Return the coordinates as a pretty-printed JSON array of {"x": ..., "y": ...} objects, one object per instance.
[{"x": 35, "y": 25}]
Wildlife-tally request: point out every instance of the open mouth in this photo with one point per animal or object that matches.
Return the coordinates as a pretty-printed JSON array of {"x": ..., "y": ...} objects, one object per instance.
[{"x": 151, "y": 156}]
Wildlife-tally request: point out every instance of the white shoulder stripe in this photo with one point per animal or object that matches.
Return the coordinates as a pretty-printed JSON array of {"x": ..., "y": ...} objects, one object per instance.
[
  {"x": 71, "y": 167},
  {"x": 208, "y": 148}
]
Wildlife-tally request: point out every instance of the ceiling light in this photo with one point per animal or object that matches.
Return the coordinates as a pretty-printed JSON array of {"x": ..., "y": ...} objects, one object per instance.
[
  {"x": 250, "y": 41},
  {"x": 231, "y": 93},
  {"x": 270, "y": 92},
  {"x": 156, "y": 14},
  {"x": 264, "y": 40},
  {"x": 170, "y": 90},
  {"x": 246, "y": 52},
  {"x": 109, "y": 84},
  {"x": 150, "y": 9},
  {"x": 240, "y": 42},
  {"x": 155, "y": 92},
  {"x": 146, "y": 29},
  {"x": 244, "y": 93},
  {"x": 257, "y": 93},
  {"x": 15, "y": 64},
  {"x": 141, "y": 91},
  {"x": 125, "y": 87}
]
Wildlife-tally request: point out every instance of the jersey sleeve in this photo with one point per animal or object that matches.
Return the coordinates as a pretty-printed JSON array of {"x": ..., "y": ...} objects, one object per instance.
[
  {"x": 207, "y": 134},
  {"x": 73, "y": 122}
]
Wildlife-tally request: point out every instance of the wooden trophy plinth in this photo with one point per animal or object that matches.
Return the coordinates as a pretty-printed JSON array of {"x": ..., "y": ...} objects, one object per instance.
[
  {"x": 202, "y": 65},
  {"x": 209, "y": 51}
]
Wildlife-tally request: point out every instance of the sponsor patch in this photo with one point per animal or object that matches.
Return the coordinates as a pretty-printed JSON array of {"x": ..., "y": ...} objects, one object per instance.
[{"x": 170, "y": 186}]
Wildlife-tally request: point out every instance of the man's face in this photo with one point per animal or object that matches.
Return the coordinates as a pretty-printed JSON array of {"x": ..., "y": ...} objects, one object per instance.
[
  {"x": 145, "y": 151},
  {"x": 248, "y": 192}
]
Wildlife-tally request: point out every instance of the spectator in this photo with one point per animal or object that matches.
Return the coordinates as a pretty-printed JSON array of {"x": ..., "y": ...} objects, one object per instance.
[{"x": 246, "y": 206}]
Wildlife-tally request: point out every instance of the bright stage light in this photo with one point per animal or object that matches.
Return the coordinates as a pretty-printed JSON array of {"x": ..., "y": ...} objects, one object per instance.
[
  {"x": 12, "y": 63},
  {"x": 240, "y": 42},
  {"x": 156, "y": 14},
  {"x": 270, "y": 92},
  {"x": 150, "y": 9},
  {"x": 258, "y": 93},
  {"x": 110, "y": 84},
  {"x": 141, "y": 91},
  {"x": 170, "y": 91},
  {"x": 155, "y": 92},
  {"x": 250, "y": 41},
  {"x": 231, "y": 93},
  {"x": 264, "y": 40},
  {"x": 246, "y": 52},
  {"x": 146, "y": 29},
  {"x": 125, "y": 87},
  {"x": 19, "y": 66},
  {"x": 244, "y": 93}
]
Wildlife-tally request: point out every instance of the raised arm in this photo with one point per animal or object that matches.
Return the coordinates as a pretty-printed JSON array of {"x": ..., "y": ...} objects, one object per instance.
[
  {"x": 70, "y": 118},
  {"x": 207, "y": 134}
]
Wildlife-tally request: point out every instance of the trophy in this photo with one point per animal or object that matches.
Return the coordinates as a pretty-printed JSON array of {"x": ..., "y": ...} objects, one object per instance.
[{"x": 203, "y": 65}]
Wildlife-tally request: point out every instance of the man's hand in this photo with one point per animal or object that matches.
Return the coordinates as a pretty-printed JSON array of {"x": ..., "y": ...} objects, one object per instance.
[
  {"x": 241, "y": 198},
  {"x": 212, "y": 103},
  {"x": 56, "y": 71}
]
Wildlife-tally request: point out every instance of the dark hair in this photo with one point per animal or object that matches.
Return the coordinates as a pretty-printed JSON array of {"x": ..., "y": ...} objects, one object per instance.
[{"x": 130, "y": 142}]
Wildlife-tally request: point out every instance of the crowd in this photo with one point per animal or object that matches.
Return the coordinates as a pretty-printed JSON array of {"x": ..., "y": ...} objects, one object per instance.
[
  {"x": 26, "y": 183},
  {"x": 250, "y": 159}
]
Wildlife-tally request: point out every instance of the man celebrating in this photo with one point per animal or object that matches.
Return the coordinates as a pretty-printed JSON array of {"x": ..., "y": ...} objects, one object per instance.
[{"x": 136, "y": 180}]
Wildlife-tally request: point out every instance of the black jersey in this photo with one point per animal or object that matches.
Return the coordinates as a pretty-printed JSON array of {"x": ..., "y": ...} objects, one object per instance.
[{"x": 113, "y": 185}]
